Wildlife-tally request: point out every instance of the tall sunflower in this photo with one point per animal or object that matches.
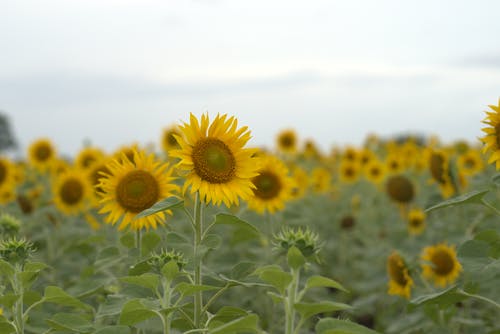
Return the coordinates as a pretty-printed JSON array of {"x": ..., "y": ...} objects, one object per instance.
[
  {"x": 168, "y": 140},
  {"x": 416, "y": 221},
  {"x": 321, "y": 180},
  {"x": 440, "y": 264},
  {"x": 215, "y": 160},
  {"x": 491, "y": 140},
  {"x": 400, "y": 281},
  {"x": 41, "y": 153},
  {"x": 470, "y": 162},
  {"x": 374, "y": 171},
  {"x": 7, "y": 174},
  {"x": 287, "y": 141},
  {"x": 71, "y": 191},
  {"x": 130, "y": 188},
  {"x": 87, "y": 156},
  {"x": 273, "y": 186}
]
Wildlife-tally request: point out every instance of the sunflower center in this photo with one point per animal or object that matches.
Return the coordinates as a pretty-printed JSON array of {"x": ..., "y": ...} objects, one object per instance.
[
  {"x": 397, "y": 270},
  {"x": 437, "y": 168},
  {"x": 137, "y": 191},
  {"x": 213, "y": 161},
  {"x": 267, "y": 185},
  {"x": 287, "y": 141},
  {"x": 169, "y": 137},
  {"x": 416, "y": 222},
  {"x": 88, "y": 160},
  {"x": 443, "y": 263},
  {"x": 349, "y": 172},
  {"x": 470, "y": 163},
  {"x": 71, "y": 191},
  {"x": 375, "y": 171},
  {"x": 3, "y": 172},
  {"x": 43, "y": 152},
  {"x": 400, "y": 189}
]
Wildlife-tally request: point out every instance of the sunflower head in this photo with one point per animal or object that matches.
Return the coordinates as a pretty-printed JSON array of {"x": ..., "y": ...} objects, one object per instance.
[
  {"x": 16, "y": 251},
  {"x": 88, "y": 156},
  {"x": 400, "y": 189},
  {"x": 168, "y": 140},
  {"x": 7, "y": 173},
  {"x": 41, "y": 153},
  {"x": 130, "y": 188},
  {"x": 416, "y": 221},
  {"x": 321, "y": 180},
  {"x": 305, "y": 240},
  {"x": 71, "y": 191},
  {"x": 374, "y": 171},
  {"x": 287, "y": 141},
  {"x": 438, "y": 166},
  {"x": 470, "y": 162},
  {"x": 349, "y": 171},
  {"x": 347, "y": 222},
  {"x": 491, "y": 140},
  {"x": 213, "y": 157},
  {"x": 440, "y": 264},
  {"x": 400, "y": 281},
  {"x": 158, "y": 260}
]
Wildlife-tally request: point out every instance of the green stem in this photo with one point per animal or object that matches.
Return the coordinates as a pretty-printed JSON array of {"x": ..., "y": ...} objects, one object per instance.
[
  {"x": 488, "y": 205},
  {"x": 290, "y": 302},
  {"x": 198, "y": 222},
  {"x": 215, "y": 296},
  {"x": 480, "y": 298},
  {"x": 18, "y": 306},
  {"x": 138, "y": 240},
  {"x": 166, "y": 303}
]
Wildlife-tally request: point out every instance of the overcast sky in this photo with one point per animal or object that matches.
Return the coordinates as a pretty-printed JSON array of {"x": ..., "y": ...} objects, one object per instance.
[{"x": 119, "y": 71}]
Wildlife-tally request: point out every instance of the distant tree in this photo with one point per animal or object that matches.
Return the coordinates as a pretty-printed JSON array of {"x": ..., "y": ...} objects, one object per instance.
[{"x": 7, "y": 140}]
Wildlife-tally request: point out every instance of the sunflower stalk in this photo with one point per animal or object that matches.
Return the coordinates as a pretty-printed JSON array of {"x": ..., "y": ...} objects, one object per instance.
[
  {"x": 290, "y": 301},
  {"x": 198, "y": 233}
]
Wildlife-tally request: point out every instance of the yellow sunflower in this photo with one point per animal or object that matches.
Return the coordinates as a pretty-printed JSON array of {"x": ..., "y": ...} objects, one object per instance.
[
  {"x": 349, "y": 171},
  {"x": 287, "y": 141},
  {"x": 7, "y": 195},
  {"x": 301, "y": 182},
  {"x": 416, "y": 221},
  {"x": 321, "y": 180},
  {"x": 400, "y": 189},
  {"x": 130, "y": 188},
  {"x": 311, "y": 150},
  {"x": 71, "y": 191},
  {"x": 350, "y": 154},
  {"x": 168, "y": 140},
  {"x": 440, "y": 264},
  {"x": 87, "y": 156},
  {"x": 7, "y": 174},
  {"x": 215, "y": 160},
  {"x": 470, "y": 162},
  {"x": 94, "y": 174},
  {"x": 394, "y": 163},
  {"x": 273, "y": 186},
  {"x": 400, "y": 281},
  {"x": 375, "y": 171},
  {"x": 41, "y": 153},
  {"x": 491, "y": 140}
]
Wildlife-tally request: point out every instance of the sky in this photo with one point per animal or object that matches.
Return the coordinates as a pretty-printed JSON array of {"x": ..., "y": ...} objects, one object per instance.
[{"x": 114, "y": 72}]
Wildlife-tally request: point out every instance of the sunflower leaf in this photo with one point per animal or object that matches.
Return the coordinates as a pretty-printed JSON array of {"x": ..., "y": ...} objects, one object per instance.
[
  {"x": 475, "y": 196},
  {"x": 442, "y": 299},
  {"x": 170, "y": 203},
  {"x": 339, "y": 326}
]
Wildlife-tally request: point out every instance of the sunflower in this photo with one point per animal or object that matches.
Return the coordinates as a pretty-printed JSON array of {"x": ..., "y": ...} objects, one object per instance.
[
  {"x": 400, "y": 189},
  {"x": 440, "y": 264},
  {"x": 321, "y": 180},
  {"x": 130, "y": 188},
  {"x": 7, "y": 174},
  {"x": 400, "y": 281},
  {"x": 71, "y": 191},
  {"x": 168, "y": 140},
  {"x": 350, "y": 154},
  {"x": 491, "y": 140},
  {"x": 375, "y": 171},
  {"x": 470, "y": 162},
  {"x": 287, "y": 141},
  {"x": 59, "y": 166},
  {"x": 94, "y": 174},
  {"x": 349, "y": 171},
  {"x": 311, "y": 150},
  {"x": 87, "y": 156},
  {"x": 41, "y": 153},
  {"x": 217, "y": 165},
  {"x": 440, "y": 172},
  {"x": 7, "y": 195},
  {"x": 301, "y": 182},
  {"x": 273, "y": 186},
  {"x": 416, "y": 221},
  {"x": 394, "y": 163}
]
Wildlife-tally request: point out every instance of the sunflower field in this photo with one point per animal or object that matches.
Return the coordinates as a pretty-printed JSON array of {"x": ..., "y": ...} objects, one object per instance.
[{"x": 206, "y": 234}]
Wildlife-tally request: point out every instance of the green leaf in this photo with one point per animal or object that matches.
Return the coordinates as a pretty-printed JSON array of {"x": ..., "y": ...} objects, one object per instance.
[
  {"x": 147, "y": 280},
  {"x": 5, "y": 327},
  {"x": 128, "y": 240},
  {"x": 6, "y": 269},
  {"x": 338, "y": 326},
  {"x": 245, "y": 230},
  {"x": 245, "y": 324},
  {"x": 442, "y": 299},
  {"x": 35, "y": 266},
  {"x": 70, "y": 322},
  {"x": 170, "y": 270},
  {"x": 212, "y": 241},
  {"x": 323, "y": 282},
  {"x": 149, "y": 242},
  {"x": 295, "y": 258},
  {"x": 8, "y": 300},
  {"x": 242, "y": 270},
  {"x": 113, "y": 330},
  {"x": 275, "y": 276},
  {"x": 112, "y": 306},
  {"x": 27, "y": 278},
  {"x": 475, "y": 196},
  {"x": 30, "y": 297},
  {"x": 140, "y": 268},
  {"x": 56, "y": 295},
  {"x": 170, "y": 203},
  {"x": 226, "y": 314},
  {"x": 134, "y": 312},
  {"x": 277, "y": 299},
  {"x": 307, "y": 310},
  {"x": 187, "y": 289}
]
